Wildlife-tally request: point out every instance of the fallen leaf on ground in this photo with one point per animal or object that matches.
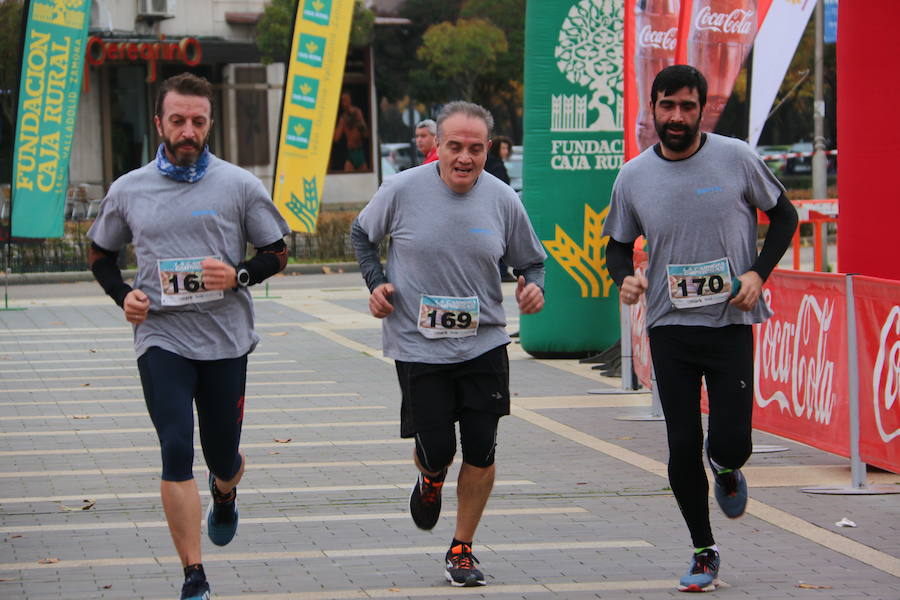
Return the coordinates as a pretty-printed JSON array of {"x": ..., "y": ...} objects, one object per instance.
[
  {"x": 274, "y": 452},
  {"x": 809, "y": 586},
  {"x": 326, "y": 269},
  {"x": 81, "y": 416},
  {"x": 283, "y": 440},
  {"x": 85, "y": 385},
  {"x": 92, "y": 351},
  {"x": 48, "y": 561},
  {"x": 393, "y": 589},
  {"x": 107, "y": 587},
  {"x": 57, "y": 323},
  {"x": 625, "y": 437},
  {"x": 88, "y": 504},
  {"x": 279, "y": 333}
]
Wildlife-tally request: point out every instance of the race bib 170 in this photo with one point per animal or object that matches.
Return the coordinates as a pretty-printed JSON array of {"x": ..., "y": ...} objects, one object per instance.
[{"x": 699, "y": 284}]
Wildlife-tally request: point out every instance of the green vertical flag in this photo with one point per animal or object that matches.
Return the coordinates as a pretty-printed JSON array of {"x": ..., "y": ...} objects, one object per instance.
[
  {"x": 49, "y": 87},
  {"x": 573, "y": 151}
]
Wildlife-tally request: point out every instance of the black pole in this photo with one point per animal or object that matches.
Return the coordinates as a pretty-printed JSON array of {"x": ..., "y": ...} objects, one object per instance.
[{"x": 23, "y": 30}]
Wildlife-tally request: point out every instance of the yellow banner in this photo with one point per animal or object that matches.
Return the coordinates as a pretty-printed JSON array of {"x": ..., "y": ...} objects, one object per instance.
[{"x": 312, "y": 91}]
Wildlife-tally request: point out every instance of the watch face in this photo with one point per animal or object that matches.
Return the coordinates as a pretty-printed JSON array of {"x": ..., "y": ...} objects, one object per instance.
[{"x": 243, "y": 277}]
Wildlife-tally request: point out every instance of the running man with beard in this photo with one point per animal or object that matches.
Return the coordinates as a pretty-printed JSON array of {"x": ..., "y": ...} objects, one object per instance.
[
  {"x": 443, "y": 319},
  {"x": 190, "y": 216},
  {"x": 694, "y": 196}
]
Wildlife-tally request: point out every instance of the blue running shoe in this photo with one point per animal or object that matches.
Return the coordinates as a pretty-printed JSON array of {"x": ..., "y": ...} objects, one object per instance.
[
  {"x": 731, "y": 493},
  {"x": 703, "y": 576},
  {"x": 730, "y": 489},
  {"x": 221, "y": 515}
]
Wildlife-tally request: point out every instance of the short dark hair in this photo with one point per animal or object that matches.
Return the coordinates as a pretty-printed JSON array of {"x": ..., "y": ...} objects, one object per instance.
[
  {"x": 186, "y": 84},
  {"x": 498, "y": 141},
  {"x": 470, "y": 109},
  {"x": 673, "y": 78}
]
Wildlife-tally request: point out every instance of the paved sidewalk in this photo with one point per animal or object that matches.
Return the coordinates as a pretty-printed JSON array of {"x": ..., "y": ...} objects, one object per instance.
[{"x": 581, "y": 508}]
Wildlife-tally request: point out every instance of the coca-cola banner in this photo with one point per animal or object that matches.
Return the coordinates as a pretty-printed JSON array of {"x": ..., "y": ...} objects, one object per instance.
[
  {"x": 714, "y": 36},
  {"x": 800, "y": 356},
  {"x": 877, "y": 303}
]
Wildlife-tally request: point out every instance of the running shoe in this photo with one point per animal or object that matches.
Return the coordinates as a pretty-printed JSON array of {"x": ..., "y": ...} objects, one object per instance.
[
  {"x": 425, "y": 501},
  {"x": 461, "y": 570},
  {"x": 221, "y": 515},
  {"x": 703, "y": 576},
  {"x": 195, "y": 588},
  {"x": 730, "y": 489}
]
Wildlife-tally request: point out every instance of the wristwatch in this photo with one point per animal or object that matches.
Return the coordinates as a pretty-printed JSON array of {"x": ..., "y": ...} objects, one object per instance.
[{"x": 243, "y": 276}]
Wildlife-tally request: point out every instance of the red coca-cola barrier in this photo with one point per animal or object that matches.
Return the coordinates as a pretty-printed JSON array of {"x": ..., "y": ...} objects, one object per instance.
[
  {"x": 877, "y": 310},
  {"x": 801, "y": 387},
  {"x": 801, "y": 362}
]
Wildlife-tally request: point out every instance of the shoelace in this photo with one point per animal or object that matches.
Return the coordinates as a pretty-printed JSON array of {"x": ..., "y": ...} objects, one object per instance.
[
  {"x": 702, "y": 562},
  {"x": 463, "y": 558},
  {"x": 430, "y": 490}
]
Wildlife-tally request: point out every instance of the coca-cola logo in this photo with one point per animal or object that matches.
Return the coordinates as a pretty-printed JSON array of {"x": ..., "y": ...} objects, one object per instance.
[
  {"x": 794, "y": 356},
  {"x": 886, "y": 378},
  {"x": 738, "y": 21},
  {"x": 662, "y": 40}
]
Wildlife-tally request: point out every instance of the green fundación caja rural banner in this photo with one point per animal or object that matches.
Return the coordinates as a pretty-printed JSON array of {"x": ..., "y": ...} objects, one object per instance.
[
  {"x": 573, "y": 150},
  {"x": 49, "y": 87}
]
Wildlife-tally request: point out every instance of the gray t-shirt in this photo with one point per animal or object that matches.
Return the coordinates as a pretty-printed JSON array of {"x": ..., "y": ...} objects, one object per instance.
[
  {"x": 447, "y": 244},
  {"x": 166, "y": 220},
  {"x": 695, "y": 210}
]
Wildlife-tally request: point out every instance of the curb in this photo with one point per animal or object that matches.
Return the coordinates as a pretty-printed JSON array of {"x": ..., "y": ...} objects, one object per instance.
[{"x": 78, "y": 276}]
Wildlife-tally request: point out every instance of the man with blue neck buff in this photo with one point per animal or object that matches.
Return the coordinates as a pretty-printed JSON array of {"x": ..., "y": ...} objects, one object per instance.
[{"x": 190, "y": 216}]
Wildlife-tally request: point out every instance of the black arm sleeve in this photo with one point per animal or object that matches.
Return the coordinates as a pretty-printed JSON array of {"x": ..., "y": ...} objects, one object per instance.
[
  {"x": 268, "y": 261},
  {"x": 367, "y": 257},
  {"x": 783, "y": 222},
  {"x": 106, "y": 271},
  {"x": 619, "y": 260}
]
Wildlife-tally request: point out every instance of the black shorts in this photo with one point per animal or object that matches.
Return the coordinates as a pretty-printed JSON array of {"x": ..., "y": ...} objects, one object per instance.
[{"x": 435, "y": 394}]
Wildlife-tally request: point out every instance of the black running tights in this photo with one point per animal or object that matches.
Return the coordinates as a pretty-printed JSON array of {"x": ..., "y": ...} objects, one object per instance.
[{"x": 724, "y": 357}]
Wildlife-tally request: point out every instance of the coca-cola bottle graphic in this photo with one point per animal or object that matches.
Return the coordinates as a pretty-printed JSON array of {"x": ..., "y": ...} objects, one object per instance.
[
  {"x": 656, "y": 29},
  {"x": 722, "y": 33}
]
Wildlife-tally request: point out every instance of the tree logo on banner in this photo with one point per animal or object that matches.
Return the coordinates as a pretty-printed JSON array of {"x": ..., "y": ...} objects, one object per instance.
[
  {"x": 65, "y": 13},
  {"x": 587, "y": 264},
  {"x": 589, "y": 54},
  {"x": 886, "y": 378}
]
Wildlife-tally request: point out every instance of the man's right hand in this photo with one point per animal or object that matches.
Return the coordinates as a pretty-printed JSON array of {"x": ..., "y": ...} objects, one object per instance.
[
  {"x": 379, "y": 302},
  {"x": 632, "y": 288},
  {"x": 136, "y": 306}
]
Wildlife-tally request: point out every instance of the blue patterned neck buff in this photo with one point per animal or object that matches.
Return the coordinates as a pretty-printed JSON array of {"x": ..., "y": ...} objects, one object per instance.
[{"x": 189, "y": 174}]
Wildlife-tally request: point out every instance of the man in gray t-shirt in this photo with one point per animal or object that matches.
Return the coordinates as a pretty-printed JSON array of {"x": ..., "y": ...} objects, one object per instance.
[
  {"x": 694, "y": 198},
  {"x": 443, "y": 322},
  {"x": 190, "y": 216}
]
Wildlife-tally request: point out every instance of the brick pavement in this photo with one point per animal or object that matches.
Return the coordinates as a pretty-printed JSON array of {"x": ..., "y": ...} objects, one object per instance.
[{"x": 581, "y": 508}]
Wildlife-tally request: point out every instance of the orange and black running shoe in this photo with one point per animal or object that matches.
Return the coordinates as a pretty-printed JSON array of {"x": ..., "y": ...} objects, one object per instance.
[{"x": 461, "y": 570}]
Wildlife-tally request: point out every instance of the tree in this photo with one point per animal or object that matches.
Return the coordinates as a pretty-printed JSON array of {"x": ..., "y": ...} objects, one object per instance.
[
  {"x": 10, "y": 33},
  {"x": 462, "y": 54},
  {"x": 273, "y": 34}
]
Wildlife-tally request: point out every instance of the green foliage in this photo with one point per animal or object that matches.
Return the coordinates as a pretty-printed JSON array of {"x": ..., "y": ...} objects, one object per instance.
[
  {"x": 362, "y": 29},
  {"x": 509, "y": 16},
  {"x": 273, "y": 34},
  {"x": 462, "y": 55},
  {"x": 10, "y": 33}
]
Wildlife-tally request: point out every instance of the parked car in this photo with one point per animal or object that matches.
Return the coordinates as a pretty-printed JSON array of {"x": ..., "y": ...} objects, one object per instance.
[
  {"x": 776, "y": 165},
  {"x": 399, "y": 154},
  {"x": 514, "y": 169},
  {"x": 800, "y": 164}
]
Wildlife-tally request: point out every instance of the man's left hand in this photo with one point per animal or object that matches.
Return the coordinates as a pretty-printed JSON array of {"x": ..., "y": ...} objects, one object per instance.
[
  {"x": 751, "y": 289},
  {"x": 218, "y": 275},
  {"x": 530, "y": 297}
]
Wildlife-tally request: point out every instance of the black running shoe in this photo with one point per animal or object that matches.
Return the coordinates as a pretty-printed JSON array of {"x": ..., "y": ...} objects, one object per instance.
[
  {"x": 221, "y": 515},
  {"x": 461, "y": 570},
  {"x": 195, "y": 588},
  {"x": 425, "y": 501}
]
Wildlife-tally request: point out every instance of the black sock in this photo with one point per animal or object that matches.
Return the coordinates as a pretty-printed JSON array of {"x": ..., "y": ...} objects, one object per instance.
[
  {"x": 456, "y": 542},
  {"x": 196, "y": 570},
  {"x": 439, "y": 477}
]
